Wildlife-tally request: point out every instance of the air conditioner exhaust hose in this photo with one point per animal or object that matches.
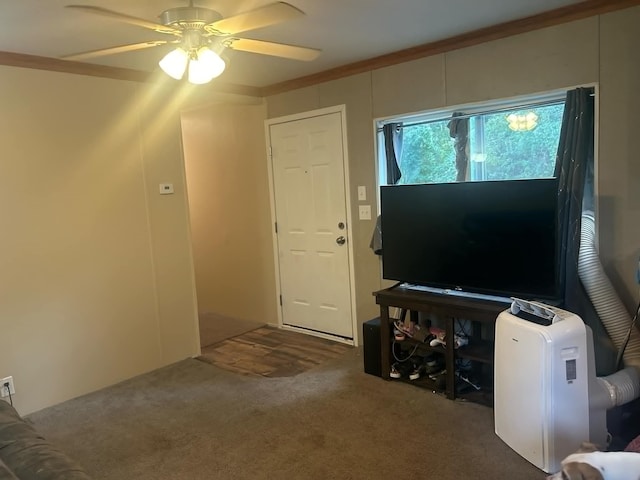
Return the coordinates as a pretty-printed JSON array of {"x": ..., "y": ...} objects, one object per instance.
[{"x": 624, "y": 385}]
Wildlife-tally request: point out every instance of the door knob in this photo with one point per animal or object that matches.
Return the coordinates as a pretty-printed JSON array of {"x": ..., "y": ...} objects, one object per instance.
[{"x": 340, "y": 240}]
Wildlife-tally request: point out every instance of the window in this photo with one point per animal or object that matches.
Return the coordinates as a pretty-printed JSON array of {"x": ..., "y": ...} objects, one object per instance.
[{"x": 500, "y": 141}]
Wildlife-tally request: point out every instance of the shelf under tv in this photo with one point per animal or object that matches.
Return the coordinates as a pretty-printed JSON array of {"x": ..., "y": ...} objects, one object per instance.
[{"x": 478, "y": 310}]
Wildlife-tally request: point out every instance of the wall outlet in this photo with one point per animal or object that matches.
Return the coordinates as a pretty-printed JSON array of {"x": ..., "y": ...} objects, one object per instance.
[
  {"x": 364, "y": 212},
  {"x": 3, "y": 390},
  {"x": 166, "y": 188}
]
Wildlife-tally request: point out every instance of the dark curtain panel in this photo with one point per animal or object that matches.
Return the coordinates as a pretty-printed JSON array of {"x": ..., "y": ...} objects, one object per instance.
[
  {"x": 459, "y": 131},
  {"x": 575, "y": 152},
  {"x": 393, "y": 151},
  {"x": 574, "y": 171}
]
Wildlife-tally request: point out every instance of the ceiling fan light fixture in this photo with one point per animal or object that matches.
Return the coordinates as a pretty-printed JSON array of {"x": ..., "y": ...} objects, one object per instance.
[
  {"x": 206, "y": 66},
  {"x": 174, "y": 63},
  {"x": 201, "y": 34}
]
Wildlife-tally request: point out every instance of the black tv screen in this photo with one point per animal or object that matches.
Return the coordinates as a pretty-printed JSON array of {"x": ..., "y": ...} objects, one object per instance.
[{"x": 490, "y": 237}]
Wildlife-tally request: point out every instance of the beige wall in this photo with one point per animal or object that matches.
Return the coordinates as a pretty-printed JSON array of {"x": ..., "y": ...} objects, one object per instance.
[
  {"x": 594, "y": 50},
  {"x": 619, "y": 166},
  {"x": 225, "y": 161},
  {"x": 97, "y": 278}
]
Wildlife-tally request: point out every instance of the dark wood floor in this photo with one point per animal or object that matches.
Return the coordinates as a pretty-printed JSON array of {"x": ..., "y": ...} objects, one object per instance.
[{"x": 271, "y": 352}]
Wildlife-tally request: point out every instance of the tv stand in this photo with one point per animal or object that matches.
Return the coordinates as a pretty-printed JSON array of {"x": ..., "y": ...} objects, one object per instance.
[{"x": 447, "y": 306}]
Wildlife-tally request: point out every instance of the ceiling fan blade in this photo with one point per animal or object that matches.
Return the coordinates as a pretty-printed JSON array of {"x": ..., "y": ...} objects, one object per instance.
[
  {"x": 140, "y": 22},
  {"x": 113, "y": 50},
  {"x": 270, "y": 48},
  {"x": 258, "y": 18}
]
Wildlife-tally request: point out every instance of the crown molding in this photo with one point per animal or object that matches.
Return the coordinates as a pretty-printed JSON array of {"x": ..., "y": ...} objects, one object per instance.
[
  {"x": 550, "y": 18},
  {"x": 80, "y": 68},
  {"x": 66, "y": 66}
]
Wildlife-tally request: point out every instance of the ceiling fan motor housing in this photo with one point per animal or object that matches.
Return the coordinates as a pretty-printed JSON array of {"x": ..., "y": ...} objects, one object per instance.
[{"x": 189, "y": 18}]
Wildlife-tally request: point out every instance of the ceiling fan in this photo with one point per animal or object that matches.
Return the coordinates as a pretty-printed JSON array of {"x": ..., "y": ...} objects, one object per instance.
[{"x": 201, "y": 35}]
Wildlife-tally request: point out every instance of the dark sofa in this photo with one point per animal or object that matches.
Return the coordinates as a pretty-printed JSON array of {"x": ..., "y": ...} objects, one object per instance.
[{"x": 26, "y": 455}]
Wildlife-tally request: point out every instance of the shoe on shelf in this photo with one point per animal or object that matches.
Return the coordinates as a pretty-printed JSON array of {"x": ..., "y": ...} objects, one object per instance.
[
  {"x": 411, "y": 330},
  {"x": 401, "y": 369},
  {"x": 398, "y": 335},
  {"x": 421, "y": 334},
  {"x": 473, "y": 383},
  {"x": 432, "y": 360},
  {"x": 440, "y": 379},
  {"x": 416, "y": 373},
  {"x": 434, "y": 365},
  {"x": 437, "y": 336},
  {"x": 463, "y": 364},
  {"x": 458, "y": 341},
  {"x": 437, "y": 332},
  {"x": 404, "y": 327}
]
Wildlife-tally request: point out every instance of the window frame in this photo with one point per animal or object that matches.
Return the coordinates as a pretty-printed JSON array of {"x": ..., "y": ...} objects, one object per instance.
[{"x": 445, "y": 114}]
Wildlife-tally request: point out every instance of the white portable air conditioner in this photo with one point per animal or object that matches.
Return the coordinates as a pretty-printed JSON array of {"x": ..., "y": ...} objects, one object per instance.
[{"x": 544, "y": 372}]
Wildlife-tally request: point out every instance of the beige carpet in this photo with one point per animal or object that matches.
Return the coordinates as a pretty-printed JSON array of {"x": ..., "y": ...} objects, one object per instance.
[
  {"x": 194, "y": 421},
  {"x": 215, "y": 328}
]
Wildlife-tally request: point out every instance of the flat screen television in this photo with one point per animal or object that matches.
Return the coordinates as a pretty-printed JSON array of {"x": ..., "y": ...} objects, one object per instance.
[{"x": 491, "y": 237}]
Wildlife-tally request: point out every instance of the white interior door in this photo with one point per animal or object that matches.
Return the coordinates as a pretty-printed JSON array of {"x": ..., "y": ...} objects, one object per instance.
[{"x": 308, "y": 168}]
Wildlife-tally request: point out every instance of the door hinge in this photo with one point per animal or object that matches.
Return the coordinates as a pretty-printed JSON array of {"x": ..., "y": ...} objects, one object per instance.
[
  {"x": 276, "y": 226},
  {"x": 270, "y": 151},
  {"x": 280, "y": 300}
]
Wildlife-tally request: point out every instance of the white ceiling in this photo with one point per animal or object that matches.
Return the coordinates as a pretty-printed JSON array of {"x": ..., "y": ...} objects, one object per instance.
[{"x": 346, "y": 31}]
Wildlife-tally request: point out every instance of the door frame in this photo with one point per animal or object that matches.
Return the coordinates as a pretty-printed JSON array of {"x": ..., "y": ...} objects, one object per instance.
[{"x": 341, "y": 109}]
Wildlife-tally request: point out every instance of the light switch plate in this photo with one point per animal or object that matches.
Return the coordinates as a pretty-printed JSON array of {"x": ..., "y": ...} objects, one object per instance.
[
  {"x": 364, "y": 212},
  {"x": 362, "y": 193}
]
